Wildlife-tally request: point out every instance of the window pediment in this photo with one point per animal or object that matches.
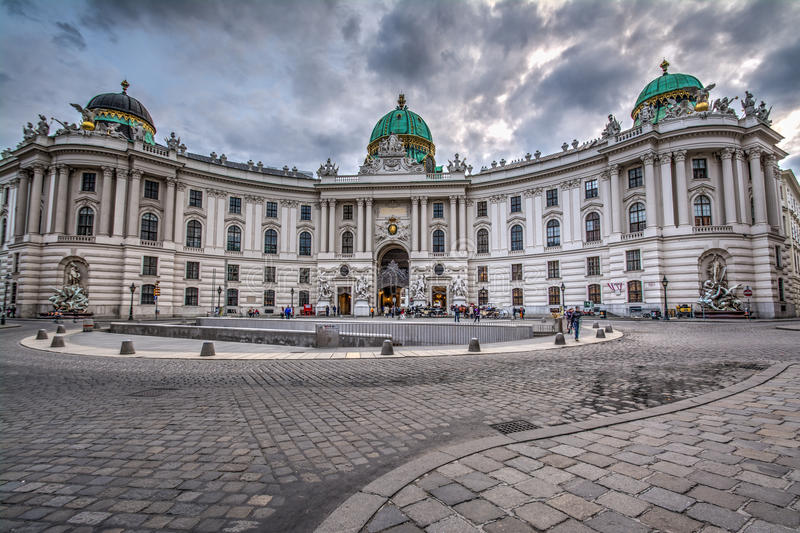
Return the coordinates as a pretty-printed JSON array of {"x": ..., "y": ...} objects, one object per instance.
[
  {"x": 516, "y": 218},
  {"x": 634, "y": 195},
  {"x": 194, "y": 211},
  {"x": 592, "y": 204},
  {"x": 234, "y": 217}
]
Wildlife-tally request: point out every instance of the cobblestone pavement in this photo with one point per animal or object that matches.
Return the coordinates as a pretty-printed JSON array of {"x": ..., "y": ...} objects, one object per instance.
[
  {"x": 141, "y": 444},
  {"x": 730, "y": 465}
]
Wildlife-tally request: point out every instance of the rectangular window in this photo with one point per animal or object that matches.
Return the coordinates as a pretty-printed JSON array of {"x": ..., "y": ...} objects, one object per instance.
[
  {"x": 88, "y": 181},
  {"x": 553, "y": 270},
  {"x": 593, "y": 266},
  {"x": 233, "y": 272},
  {"x": 16, "y": 263},
  {"x": 192, "y": 270},
  {"x": 148, "y": 295},
  {"x": 233, "y": 298},
  {"x": 195, "y": 198},
  {"x": 438, "y": 210},
  {"x": 235, "y": 205},
  {"x": 483, "y": 209},
  {"x": 149, "y": 266},
  {"x": 633, "y": 260},
  {"x": 269, "y": 274},
  {"x": 347, "y": 212},
  {"x": 305, "y": 212},
  {"x": 594, "y": 293},
  {"x": 269, "y": 298},
  {"x": 516, "y": 272},
  {"x": 781, "y": 292},
  {"x": 516, "y": 204},
  {"x": 483, "y": 297},
  {"x": 272, "y": 210},
  {"x": 778, "y": 260},
  {"x": 635, "y": 177},
  {"x": 590, "y": 189},
  {"x": 190, "y": 297},
  {"x": 151, "y": 189},
  {"x": 554, "y": 296},
  {"x": 305, "y": 275},
  {"x": 303, "y": 298},
  {"x": 699, "y": 169},
  {"x": 552, "y": 197},
  {"x": 483, "y": 274},
  {"x": 516, "y": 297},
  {"x": 635, "y": 291}
]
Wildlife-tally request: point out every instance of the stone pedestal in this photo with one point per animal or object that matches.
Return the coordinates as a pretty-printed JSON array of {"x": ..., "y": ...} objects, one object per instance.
[
  {"x": 321, "y": 305},
  {"x": 361, "y": 308},
  {"x": 459, "y": 300}
]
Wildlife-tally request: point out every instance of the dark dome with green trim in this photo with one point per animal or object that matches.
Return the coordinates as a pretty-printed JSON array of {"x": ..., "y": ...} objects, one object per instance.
[
  {"x": 408, "y": 126},
  {"x": 667, "y": 85},
  {"x": 121, "y": 102}
]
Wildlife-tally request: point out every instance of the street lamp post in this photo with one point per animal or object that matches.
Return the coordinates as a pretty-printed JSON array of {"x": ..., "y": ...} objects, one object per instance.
[
  {"x": 130, "y": 311},
  {"x": 5, "y": 293},
  {"x": 219, "y": 296},
  {"x": 563, "y": 300},
  {"x": 664, "y": 283},
  {"x": 291, "y": 304}
]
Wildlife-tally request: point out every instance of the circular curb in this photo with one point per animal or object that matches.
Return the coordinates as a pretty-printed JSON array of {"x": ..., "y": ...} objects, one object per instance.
[{"x": 352, "y": 515}]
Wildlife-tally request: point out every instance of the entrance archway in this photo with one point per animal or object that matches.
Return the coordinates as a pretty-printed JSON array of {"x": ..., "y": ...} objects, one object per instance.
[
  {"x": 392, "y": 277},
  {"x": 344, "y": 300}
]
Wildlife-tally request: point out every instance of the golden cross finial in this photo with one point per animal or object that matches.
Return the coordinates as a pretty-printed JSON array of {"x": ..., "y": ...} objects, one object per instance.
[
  {"x": 664, "y": 65},
  {"x": 401, "y": 101},
  {"x": 125, "y": 86}
]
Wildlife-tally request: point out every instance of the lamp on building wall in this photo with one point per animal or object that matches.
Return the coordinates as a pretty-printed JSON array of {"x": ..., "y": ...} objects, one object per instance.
[
  {"x": 563, "y": 288},
  {"x": 130, "y": 311},
  {"x": 664, "y": 283},
  {"x": 219, "y": 297},
  {"x": 291, "y": 303}
]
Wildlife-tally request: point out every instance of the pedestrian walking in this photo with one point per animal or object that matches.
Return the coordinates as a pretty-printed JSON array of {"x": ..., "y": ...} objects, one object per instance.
[
  {"x": 522, "y": 313},
  {"x": 476, "y": 312},
  {"x": 372, "y": 312},
  {"x": 569, "y": 314},
  {"x": 576, "y": 322},
  {"x": 457, "y": 313}
]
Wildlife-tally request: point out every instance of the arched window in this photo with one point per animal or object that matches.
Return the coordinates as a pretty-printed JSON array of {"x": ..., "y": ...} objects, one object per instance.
[
  {"x": 149, "y": 227},
  {"x": 269, "y": 298},
  {"x": 303, "y": 299},
  {"x": 190, "y": 296},
  {"x": 483, "y": 241},
  {"x": 637, "y": 217},
  {"x": 553, "y": 233},
  {"x": 516, "y": 237},
  {"x": 194, "y": 234},
  {"x": 516, "y": 297},
  {"x": 553, "y": 296},
  {"x": 702, "y": 211},
  {"x": 594, "y": 293},
  {"x": 85, "y": 221},
  {"x": 438, "y": 241},
  {"x": 147, "y": 296},
  {"x": 347, "y": 242},
  {"x": 234, "y": 239},
  {"x": 232, "y": 299},
  {"x": 305, "y": 243},
  {"x": 270, "y": 241},
  {"x": 592, "y": 227},
  {"x": 483, "y": 297},
  {"x": 635, "y": 291}
]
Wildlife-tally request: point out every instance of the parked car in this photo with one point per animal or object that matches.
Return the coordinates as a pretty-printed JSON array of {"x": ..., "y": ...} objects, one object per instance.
[{"x": 683, "y": 311}]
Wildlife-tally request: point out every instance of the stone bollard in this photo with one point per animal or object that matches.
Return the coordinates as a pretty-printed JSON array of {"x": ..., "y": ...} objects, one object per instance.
[
  {"x": 61, "y": 329},
  {"x": 596, "y": 325},
  {"x": 387, "y": 348},
  {"x": 601, "y": 334},
  {"x": 58, "y": 342},
  {"x": 560, "y": 341},
  {"x": 609, "y": 329},
  {"x": 88, "y": 326},
  {"x": 41, "y": 335},
  {"x": 126, "y": 348},
  {"x": 207, "y": 350},
  {"x": 474, "y": 345}
]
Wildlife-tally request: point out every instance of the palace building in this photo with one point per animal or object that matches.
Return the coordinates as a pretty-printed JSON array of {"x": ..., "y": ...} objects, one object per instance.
[{"x": 690, "y": 194}]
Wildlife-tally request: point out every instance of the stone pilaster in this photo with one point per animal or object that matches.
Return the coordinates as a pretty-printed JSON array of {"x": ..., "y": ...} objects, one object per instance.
[
  {"x": 651, "y": 199},
  {"x": 616, "y": 198},
  {"x": 134, "y": 193},
  {"x": 35, "y": 208},
  {"x": 681, "y": 187},
  {"x": 63, "y": 206},
  {"x": 728, "y": 185},
  {"x": 759, "y": 190}
]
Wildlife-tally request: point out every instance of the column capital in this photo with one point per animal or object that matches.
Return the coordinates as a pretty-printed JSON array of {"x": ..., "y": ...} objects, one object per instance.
[
  {"x": 62, "y": 167},
  {"x": 107, "y": 171},
  {"x": 462, "y": 199},
  {"x": 360, "y": 201},
  {"x": 172, "y": 181},
  {"x": 740, "y": 155},
  {"x": 754, "y": 153},
  {"x": 24, "y": 173},
  {"x": 38, "y": 167},
  {"x": 613, "y": 169},
  {"x": 415, "y": 198},
  {"x": 679, "y": 155},
  {"x": 770, "y": 159},
  {"x": 332, "y": 202},
  {"x": 648, "y": 158},
  {"x": 14, "y": 182},
  {"x": 423, "y": 200},
  {"x": 726, "y": 153},
  {"x": 181, "y": 186},
  {"x": 453, "y": 198},
  {"x": 369, "y": 201},
  {"x": 665, "y": 158},
  {"x": 135, "y": 173},
  {"x": 527, "y": 193}
]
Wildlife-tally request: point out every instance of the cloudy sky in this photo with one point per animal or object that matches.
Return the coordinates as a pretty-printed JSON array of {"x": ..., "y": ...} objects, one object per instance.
[{"x": 297, "y": 82}]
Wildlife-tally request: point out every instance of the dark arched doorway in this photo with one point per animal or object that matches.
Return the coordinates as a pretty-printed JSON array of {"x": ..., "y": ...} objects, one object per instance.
[{"x": 392, "y": 277}]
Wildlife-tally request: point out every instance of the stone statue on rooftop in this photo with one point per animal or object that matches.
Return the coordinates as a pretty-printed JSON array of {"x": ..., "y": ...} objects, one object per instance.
[{"x": 612, "y": 128}]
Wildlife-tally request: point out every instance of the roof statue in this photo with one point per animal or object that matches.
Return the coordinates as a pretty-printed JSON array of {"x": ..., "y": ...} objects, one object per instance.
[
  {"x": 748, "y": 104},
  {"x": 723, "y": 106},
  {"x": 612, "y": 128},
  {"x": 700, "y": 96},
  {"x": 328, "y": 169},
  {"x": 457, "y": 165},
  {"x": 761, "y": 112},
  {"x": 391, "y": 156},
  {"x": 172, "y": 142}
]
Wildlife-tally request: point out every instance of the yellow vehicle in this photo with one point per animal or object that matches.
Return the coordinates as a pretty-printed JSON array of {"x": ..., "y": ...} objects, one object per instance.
[{"x": 683, "y": 311}]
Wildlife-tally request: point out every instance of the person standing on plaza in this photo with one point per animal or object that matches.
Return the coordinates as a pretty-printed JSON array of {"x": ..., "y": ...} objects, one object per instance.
[
  {"x": 476, "y": 313},
  {"x": 570, "y": 312},
  {"x": 456, "y": 313},
  {"x": 576, "y": 322}
]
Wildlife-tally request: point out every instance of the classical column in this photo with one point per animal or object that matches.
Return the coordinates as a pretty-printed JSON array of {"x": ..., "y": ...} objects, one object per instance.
[
  {"x": 423, "y": 227},
  {"x": 566, "y": 222},
  {"x": 22, "y": 202},
  {"x": 462, "y": 223},
  {"x": 48, "y": 203},
  {"x": 134, "y": 192},
  {"x": 741, "y": 184},
  {"x": 759, "y": 191},
  {"x": 605, "y": 197},
  {"x": 369, "y": 226},
  {"x": 106, "y": 207},
  {"x": 332, "y": 225},
  {"x": 220, "y": 235},
  {"x": 651, "y": 200},
  {"x": 360, "y": 228},
  {"x": 323, "y": 226},
  {"x": 616, "y": 198},
  {"x": 681, "y": 187},
  {"x": 771, "y": 176},
  {"x": 728, "y": 185},
  {"x": 13, "y": 193},
  {"x": 256, "y": 230},
  {"x": 293, "y": 235},
  {"x": 453, "y": 224},
  {"x": 119, "y": 202},
  {"x": 537, "y": 213},
  {"x": 180, "y": 202},
  {"x": 35, "y": 208},
  {"x": 211, "y": 217},
  {"x": 530, "y": 228},
  {"x": 415, "y": 223},
  {"x": 575, "y": 210},
  {"x": 666, "y": 189},
  {"x": 62, "y": 205},
  {"x": 169, "y": 211}
]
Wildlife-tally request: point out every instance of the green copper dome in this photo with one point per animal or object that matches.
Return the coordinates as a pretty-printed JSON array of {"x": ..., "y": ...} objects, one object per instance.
[
  {"x": 408, "y": 126},
  {"x": 665, "y": 86}
]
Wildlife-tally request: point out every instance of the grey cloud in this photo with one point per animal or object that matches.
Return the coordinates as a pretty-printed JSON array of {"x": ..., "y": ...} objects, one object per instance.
[
  {"x": 352, "y": 28},
  {"x": 4, "y": 78},
  {"x": 69, "y": 36},
  {"x": 16, "y": 7},
  {"x": 778, "y": 77}
]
